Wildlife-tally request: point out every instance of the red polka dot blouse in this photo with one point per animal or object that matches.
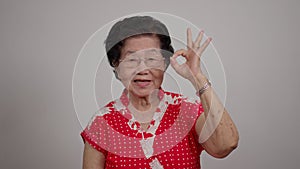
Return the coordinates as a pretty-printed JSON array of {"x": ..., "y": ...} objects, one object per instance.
[{"x": 169, "y": 142}]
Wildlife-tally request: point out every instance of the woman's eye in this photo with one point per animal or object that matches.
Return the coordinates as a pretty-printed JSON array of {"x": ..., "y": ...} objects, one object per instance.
[
  {"x": 132, "y": 60},
  {"x": 151, "y": 59}
]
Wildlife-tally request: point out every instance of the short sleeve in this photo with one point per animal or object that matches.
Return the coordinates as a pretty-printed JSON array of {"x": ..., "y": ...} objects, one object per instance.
[
  {"x": 95, "y": 134},
  {"x": 198, "y": 110}
]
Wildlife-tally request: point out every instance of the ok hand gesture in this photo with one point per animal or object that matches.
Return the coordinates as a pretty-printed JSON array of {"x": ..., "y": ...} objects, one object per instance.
[{"x": 191, "y": 68}]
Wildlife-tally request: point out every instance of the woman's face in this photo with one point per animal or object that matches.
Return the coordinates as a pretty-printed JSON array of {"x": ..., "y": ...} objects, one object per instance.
[{"x": 141, "y": 66}]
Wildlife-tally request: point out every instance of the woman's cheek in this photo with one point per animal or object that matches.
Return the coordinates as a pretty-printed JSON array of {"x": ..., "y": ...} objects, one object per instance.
[
  {"x": 126, "y": 76},
  {"x": 158, "y": 77}
]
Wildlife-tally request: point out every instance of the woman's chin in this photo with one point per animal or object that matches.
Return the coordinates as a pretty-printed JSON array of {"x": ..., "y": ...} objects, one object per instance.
[{"x": 143, "y": 92}]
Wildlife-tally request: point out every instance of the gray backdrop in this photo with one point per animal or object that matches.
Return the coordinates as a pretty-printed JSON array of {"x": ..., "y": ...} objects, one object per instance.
[{"x": 40, "y": 41}]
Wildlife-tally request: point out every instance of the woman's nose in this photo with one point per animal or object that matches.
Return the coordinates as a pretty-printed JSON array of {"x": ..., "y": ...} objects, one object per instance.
[
  {"x": 142, "y": 67},
  {"x": 143, "y": 71}
]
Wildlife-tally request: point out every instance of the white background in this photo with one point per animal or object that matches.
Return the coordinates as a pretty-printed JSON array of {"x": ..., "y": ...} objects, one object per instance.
[{"x": 258, "y": 42}]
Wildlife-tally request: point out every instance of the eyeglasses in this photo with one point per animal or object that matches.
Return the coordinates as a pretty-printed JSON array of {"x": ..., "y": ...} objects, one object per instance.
[{"x": 152, "y": 59}]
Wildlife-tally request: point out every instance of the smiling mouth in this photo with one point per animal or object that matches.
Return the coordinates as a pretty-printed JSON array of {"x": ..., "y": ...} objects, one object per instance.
[
  {"x": 142, "y": 83},
  {"x": 141, "y": 80}
]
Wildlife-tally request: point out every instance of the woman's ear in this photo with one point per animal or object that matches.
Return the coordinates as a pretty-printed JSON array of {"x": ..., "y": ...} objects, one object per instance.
[
  {"x": 116, "y": 74},
  {"x": 166, "y": 65}
]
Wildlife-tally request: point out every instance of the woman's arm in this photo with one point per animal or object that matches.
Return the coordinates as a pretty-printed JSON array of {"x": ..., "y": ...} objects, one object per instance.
[
  {"x": 217, "y": 132},
  {"x": 92, "y": 158}
]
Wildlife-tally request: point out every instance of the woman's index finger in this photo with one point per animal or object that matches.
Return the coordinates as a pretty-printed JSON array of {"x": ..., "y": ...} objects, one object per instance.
[{"x": 189, "y": 38}]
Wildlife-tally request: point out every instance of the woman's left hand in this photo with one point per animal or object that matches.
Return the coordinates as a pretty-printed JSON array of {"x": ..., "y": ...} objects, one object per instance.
[
  {"x": 217, "y": 140},
  {"x": 191, "y": 69}
]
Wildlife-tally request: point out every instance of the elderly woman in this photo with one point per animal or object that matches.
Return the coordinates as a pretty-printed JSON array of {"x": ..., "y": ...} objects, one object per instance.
[{"x": 149, "y": 127}]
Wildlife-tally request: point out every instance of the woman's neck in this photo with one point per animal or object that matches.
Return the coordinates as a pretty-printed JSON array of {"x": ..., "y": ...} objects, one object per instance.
[{"x": 144, "y": 103}]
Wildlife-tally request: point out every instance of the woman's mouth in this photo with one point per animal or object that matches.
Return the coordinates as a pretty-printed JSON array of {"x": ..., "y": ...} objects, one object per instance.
[{"x": 142, "y": 82}]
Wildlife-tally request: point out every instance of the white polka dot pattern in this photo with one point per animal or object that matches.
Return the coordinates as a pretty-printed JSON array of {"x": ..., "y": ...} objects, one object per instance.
[{"x": 174, "y": 143}]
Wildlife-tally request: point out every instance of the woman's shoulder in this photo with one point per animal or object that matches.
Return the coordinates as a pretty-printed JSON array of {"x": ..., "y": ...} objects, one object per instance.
[
  {"x": 106, "y": 110},
  {"x": 178, "y": 98}
]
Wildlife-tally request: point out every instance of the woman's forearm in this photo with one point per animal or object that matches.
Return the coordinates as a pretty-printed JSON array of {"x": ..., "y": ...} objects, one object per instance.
[{"x": 217, "y": 132}]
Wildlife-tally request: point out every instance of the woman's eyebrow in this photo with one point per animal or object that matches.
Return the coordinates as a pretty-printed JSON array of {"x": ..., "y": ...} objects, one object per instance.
[
  {"x": 129, "y": 52},
  {"x": 146, "y": 50}
]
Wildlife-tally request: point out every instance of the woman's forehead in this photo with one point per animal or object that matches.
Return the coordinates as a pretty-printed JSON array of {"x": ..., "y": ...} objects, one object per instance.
[{"x": 138, "y": 43}]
